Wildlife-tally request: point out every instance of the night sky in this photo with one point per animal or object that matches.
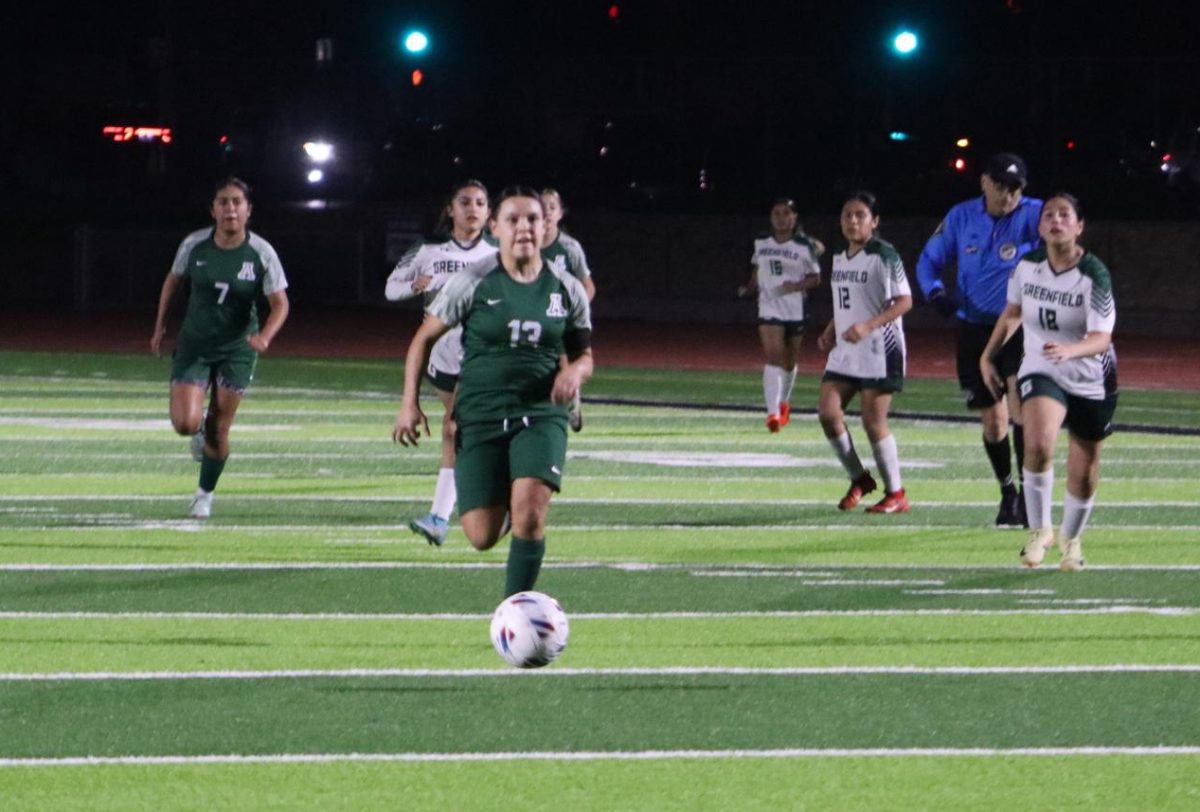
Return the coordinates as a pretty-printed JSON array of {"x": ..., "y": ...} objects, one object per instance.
[{"x": 672, "y": 106}]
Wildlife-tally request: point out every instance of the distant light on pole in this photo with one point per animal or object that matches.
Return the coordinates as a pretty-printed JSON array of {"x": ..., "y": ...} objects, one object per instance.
[
  {"x": 416, "y": 42},
  {"x": 905, "y": 43},
  {"x": 898, "y": 135},
  {"x": 963, "y": 143}
]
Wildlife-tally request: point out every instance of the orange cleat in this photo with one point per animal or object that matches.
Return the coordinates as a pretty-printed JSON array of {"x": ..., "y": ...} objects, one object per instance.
[
  {"x": 773, "y": 423},
  {"x": 785, "y": 413},
  {"x": 892, "y": 503},
  {"x": 858, "y": 489}
]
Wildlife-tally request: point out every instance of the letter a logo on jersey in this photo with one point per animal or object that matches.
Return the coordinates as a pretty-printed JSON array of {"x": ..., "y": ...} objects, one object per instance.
[
  {"x": 556, "y": 309},
  {"x": 247, "y": 272}
]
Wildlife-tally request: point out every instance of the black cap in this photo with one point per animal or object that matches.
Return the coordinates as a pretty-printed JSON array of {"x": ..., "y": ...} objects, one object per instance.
[{"x": 1007, "y": 168}]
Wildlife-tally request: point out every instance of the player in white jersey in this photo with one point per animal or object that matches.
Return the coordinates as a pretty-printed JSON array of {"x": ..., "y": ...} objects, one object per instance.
[
  {"x": 783, "y": 268},
  {"x": 1062, "y": 295},
  {"x": 565, "y": 253},
  {"x": 423, "y": 270},
  {"x": 865, "y": 342}
]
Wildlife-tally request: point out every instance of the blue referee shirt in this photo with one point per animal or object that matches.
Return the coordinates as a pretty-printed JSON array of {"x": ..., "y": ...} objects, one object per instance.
[{"x": 986, "y": 250}]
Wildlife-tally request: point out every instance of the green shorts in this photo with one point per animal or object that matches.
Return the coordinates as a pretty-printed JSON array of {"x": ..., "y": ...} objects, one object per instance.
[
  {"x": 1087, "y": 419},
  {"x": 230, "y": 369},
  {"x": 491, "y": 455},
  {"x": 892, "y": 383}
]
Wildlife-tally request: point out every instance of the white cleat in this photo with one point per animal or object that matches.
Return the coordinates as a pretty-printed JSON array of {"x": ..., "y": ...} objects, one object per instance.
[
  {"x": 1034, "y": 550},
  {"x": 201, "y": 505},
  {"x": 1072, "y": 554}
]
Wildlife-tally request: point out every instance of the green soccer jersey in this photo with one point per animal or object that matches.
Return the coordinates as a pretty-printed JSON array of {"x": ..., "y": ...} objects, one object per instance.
[
  {"x": 224, "y": 288},
  {"x": 566, "y": 254},
  {"x": 513, "y": 335}
]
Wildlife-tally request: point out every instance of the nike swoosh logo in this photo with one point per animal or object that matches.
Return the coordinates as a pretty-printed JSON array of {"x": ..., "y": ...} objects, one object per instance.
[
  {"x": 554, "y": 470},
  {"x": 200, "y": 262},
  {"x": 493, "y": 301}
]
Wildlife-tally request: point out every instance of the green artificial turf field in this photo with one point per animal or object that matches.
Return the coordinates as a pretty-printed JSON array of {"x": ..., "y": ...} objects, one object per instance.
[{"x": 736, "y": 641}]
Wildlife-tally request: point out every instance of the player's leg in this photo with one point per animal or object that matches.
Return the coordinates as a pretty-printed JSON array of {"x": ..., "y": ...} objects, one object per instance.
[
  {"x": 1089, "y": 423},
  {"x": 436, "y": 524},
  {"x": 876, "y": 404},
  {"x": 1044, "y": 409},
  {"x": 187, "y": 406},
  {"x": 1083, "y": 475},
  {"x": 483, "y": 484},
  {"x": 537, "y": 457},
  {"x": 993, "y": 416},
  {"x": 222, "y": 408},
  {"x": 836, "y": 392},
  {"x": 772, "y": 338},
  {"x": 793, "y": 341}
]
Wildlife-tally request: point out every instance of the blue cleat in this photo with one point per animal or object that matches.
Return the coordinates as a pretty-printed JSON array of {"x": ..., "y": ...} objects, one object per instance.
[{"x": 433, "y": 527}]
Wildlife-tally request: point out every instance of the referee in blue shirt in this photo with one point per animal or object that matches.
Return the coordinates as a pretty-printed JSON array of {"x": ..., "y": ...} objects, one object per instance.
[{"x": 983, "y": 239}]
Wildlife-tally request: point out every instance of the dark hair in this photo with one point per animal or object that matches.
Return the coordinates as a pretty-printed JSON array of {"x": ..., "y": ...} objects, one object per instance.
[
  {"x": 444, "y": 221},
  {"x": 517, "y": 191},
  {"x": 1070, "y": 198},
  {"x": 785, "y": 201},
  {"x": 232, "y": 181},
  {"x": 868, "y": 199}
]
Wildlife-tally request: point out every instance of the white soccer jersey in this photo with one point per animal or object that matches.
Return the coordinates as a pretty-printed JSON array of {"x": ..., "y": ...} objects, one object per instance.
[
  {"x": 438, "y": 259},
  {"x": 1063, "y": 308},
  {"x": 441, "y": 260},
  {"x": 779, "y": 262},
  {"x": 864, "y": 285}
]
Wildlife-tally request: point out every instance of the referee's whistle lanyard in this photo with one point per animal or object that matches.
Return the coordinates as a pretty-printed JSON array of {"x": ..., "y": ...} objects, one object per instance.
[{"x": 509, "y": 423}]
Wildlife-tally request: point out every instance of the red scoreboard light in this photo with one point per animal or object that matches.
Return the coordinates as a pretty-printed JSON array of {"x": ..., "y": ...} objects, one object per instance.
[{"x": 121, "y": 134}]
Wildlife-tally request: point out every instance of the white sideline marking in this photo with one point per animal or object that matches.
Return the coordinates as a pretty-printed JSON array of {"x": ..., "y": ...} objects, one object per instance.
[
  {"x": 598, "y": 755},
  {"x": 674, "y": 671},
  {"x": 1109, "y": 608},
  {"x": 979, "y": 591},
  {"x": 832, "y": 570}
]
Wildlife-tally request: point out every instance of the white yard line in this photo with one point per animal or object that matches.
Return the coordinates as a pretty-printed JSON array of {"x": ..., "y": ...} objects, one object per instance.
[
  {"x": 599, "y": 755},
  {"x": 1110, "y": 608},
  {"x": 669, "y": 671},
  {"x": 805, "y": 570}
]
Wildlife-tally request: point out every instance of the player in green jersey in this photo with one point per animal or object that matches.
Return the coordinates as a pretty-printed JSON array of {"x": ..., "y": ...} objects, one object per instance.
[
  {"x": 227, "y": 267},
  {"x": 527, "y": 350},
  {"x": 563, "y": 251}
]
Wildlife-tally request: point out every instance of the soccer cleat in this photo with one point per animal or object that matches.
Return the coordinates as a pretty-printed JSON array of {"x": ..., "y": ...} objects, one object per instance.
[
  {"x": 1035, "y": 549},
  {"x": 1072, "y": 554},
  {"x": 773, "y": 423},
  {"x": 895, "y": 502},
  {"x": 1010, "y": 512},
  {"x": 858, "y": 489},
  {"x": 433, "y": 527},
  {"x": 201, "y": 505},
  {"x": 785, "y": 413},
  {"x": 575, "y": 419}
]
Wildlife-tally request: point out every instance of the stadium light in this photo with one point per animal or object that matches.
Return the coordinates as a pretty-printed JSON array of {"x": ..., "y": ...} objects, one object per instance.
[
  {"x": 416, "y": 42},
  {"x": 905, "y": 43}
]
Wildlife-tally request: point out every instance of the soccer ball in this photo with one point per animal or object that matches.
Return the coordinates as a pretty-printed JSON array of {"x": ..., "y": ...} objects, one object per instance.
[{"x": 529, "y": 630}]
